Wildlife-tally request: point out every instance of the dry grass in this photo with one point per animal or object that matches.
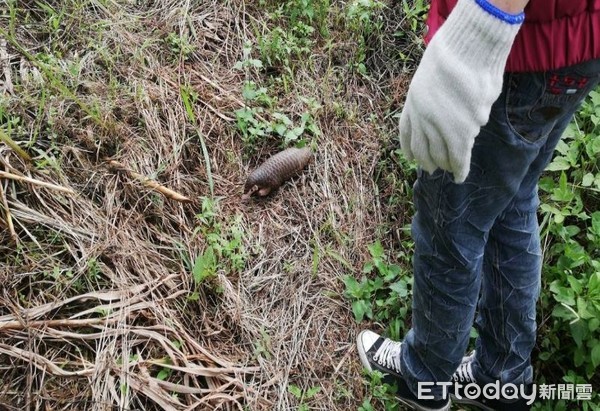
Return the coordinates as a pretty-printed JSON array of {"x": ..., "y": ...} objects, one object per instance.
[{"x": 98, "y": 307}]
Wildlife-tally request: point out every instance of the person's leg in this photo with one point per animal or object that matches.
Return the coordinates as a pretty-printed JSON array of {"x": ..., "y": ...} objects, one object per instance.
[
  {"x": 510, "y": 288},
  {"x": 453, "y": 222},
  {"x": 451, "y": 229},
  {"x": 513, "y": 258}
]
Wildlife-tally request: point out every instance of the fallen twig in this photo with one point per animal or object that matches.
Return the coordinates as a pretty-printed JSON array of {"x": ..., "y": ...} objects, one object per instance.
[
  {"x": 167, "y": 192},
  {"x": 4, "y": 174},
  {"x": 38, "y": 311},
  {"x": 42, "y": 363},
  {"x": 9, "y": 222},
  {"x": 18, "y": 325}
]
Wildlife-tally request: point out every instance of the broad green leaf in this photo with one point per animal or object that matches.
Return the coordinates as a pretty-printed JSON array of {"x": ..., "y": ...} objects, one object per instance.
[
  {"x": 205, "y": 265},
  {"x": 547, "y": 184},
  {"x": 588, "y": 180},
  {"x": 595, "y": 228},
  {"x": 400, "y": 288},
  {"x": 595, "y": 98},
  {"x": 578, "y": 332},
  {"x": 595, "y": 355},
  {"x": 564, "y": 192},
  {"x": 594, "y": 324},
  {"x": 376, "y": 250},
  {"x": 579, "y": 357},
  {"x": 559, "y": 218},
  {"x": 280, "y": 129},
  {"x": 559, "y": 164},
  {"x": 594, "y": 285},
  {"x": 360, "y": 310},
  {"x": 545, "y": 356},
  {"x": 283, "y": 119},
  {"x": 249, "y": 91},
  {"x": 394, "y": 269},
  {"x": 595, "y": 147},
  {"x": 352, "y": 287},
  {"x": 163, "y": 374},
  {"x": 295, "y": 391},
  {"x": 572, "y": 230},
  {"x": 560, "y": 311},
  {"x": 562, "y": 294},
  {"x": 575, "y": 284},
  {"x": 312, "y": 392},
  {"x": 582, "y": 309},
  {"x": 382, "y": 267},
  {"x": 562, "y": 147}
]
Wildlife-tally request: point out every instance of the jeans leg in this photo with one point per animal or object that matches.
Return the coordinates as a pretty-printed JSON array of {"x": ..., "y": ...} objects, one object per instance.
[
  {"x": 453, "y": 224},
  {"x": 513, "y": 259},
  {"x": 451, "y": 229},
  {"x": 511, "y": 282},
  {"x": 444, "y": 290},
  {"x": 510, "y": 288}
]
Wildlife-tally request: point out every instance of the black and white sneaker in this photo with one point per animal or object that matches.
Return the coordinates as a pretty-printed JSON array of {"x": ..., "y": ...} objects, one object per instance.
[
  {"x": 383, "y": 354},
  {"x": 463, "y": 391}
]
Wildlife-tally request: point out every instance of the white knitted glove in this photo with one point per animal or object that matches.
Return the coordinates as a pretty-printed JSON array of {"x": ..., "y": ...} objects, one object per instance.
[{"x": 455, "y": 86}]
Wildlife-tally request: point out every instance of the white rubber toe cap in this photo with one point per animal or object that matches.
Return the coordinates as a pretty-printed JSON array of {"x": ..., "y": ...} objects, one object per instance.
[
  {"x": 364, "y": 342},
  {"x": 366, "y": 339}
]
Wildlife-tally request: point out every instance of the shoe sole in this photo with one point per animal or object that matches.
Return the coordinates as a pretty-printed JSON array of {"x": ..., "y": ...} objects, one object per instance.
[{"x": 362, "y": 354}]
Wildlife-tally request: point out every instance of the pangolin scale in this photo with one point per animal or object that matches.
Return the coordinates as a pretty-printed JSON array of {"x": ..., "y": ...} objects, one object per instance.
[{"x": 275, "y": 170}]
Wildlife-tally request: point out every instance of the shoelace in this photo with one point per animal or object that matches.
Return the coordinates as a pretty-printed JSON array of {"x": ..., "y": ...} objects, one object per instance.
[
  {"x": 388, "y": 355},
  {"x": 464, "y": 373}
]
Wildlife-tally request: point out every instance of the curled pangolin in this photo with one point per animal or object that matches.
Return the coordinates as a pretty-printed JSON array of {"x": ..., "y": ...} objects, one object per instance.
[{"x": 273, "y": 172}]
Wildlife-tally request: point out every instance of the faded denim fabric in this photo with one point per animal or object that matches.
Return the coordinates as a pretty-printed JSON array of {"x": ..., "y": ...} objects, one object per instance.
[{"x": 477, "y": 244}]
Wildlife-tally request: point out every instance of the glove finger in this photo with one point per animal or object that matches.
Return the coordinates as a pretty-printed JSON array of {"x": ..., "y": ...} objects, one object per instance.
[
  {"x": 461, "y": 164},
  {"x": 438, "y": 146},
  {"x": 421, "y": 150},
  {"x": 405, "y": 134}
]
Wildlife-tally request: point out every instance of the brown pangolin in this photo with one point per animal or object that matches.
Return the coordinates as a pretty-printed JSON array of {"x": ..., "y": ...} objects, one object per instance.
[{"x": 275, "y": 170}]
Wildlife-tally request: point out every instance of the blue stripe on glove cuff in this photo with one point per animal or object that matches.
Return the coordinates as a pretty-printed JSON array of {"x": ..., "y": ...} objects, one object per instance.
[{"x": 502, "y": 15}]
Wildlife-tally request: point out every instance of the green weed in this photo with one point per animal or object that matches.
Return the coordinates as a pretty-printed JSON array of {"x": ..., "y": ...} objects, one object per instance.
[
  {"x": 280, "y": 46},
  {"x": 258, "y": 120},
  {"x": 383, "y": 294},
  {"x": 189, "y": 97},
  {"x": 414, "y": 12},
  {"x": 570, "y": 191},
  {"x": 225, "y": 248},
  {"x": 180, "y": 45},
  {"x": 378, "y": 392},
  {"x": 303, "y": 396},
  {"x": 363, "y": 18},
  {"x": 262, "y": 346},
  {"x": 296, "y": 24}
]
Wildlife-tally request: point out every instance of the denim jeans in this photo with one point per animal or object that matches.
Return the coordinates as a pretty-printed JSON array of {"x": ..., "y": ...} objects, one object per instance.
[{"x": 477, "y": 244}]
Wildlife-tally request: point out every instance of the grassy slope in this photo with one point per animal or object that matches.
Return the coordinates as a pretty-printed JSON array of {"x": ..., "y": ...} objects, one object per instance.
[{"x": 98, "y": 302}]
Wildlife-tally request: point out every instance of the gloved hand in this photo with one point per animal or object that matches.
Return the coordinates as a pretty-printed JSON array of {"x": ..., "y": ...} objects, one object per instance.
[{"x": 455, "y": 86}]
